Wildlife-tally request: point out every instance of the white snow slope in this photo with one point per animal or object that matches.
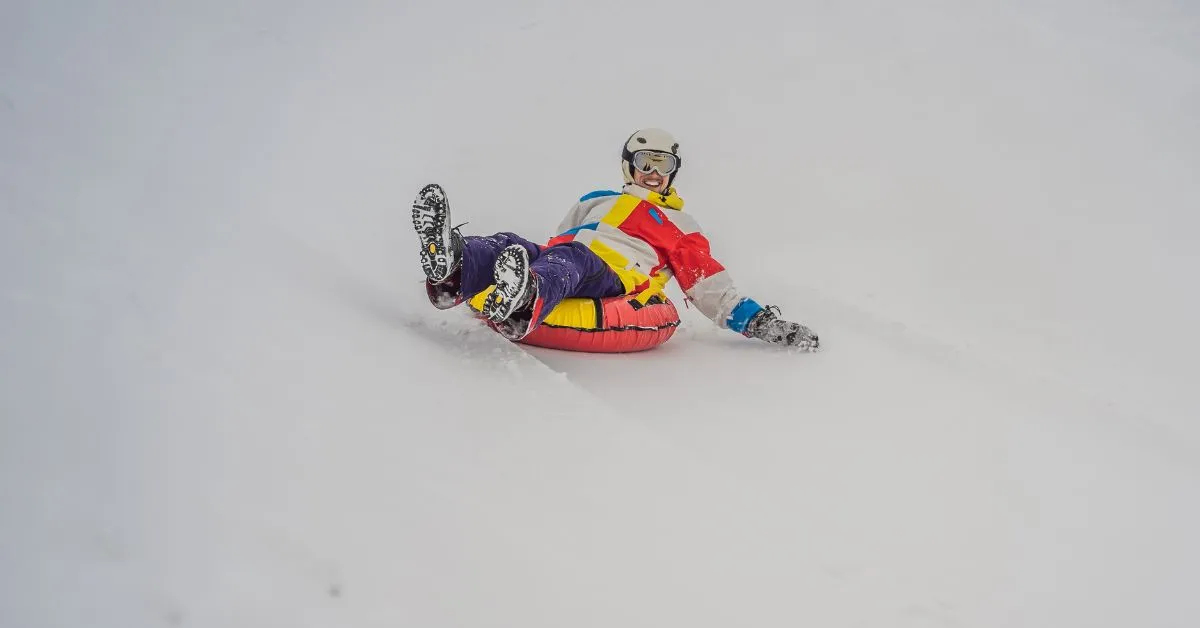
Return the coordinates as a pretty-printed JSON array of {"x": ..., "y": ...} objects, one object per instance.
[{"x": 225, "y": 400}]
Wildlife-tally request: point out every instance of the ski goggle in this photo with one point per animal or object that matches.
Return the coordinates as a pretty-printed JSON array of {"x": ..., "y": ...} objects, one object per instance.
[{"x": 647, "y": 160}]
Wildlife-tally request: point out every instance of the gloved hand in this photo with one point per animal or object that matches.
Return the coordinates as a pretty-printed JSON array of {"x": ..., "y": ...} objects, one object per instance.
[{"x": 768, "y": 327}]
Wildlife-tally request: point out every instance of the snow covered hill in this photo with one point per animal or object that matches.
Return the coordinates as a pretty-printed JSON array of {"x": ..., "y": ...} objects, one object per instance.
[{"x": 225, "y": 401}]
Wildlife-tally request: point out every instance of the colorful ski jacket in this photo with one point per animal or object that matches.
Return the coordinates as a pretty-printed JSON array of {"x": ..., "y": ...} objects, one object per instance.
[{"x": 646, "y": 239}]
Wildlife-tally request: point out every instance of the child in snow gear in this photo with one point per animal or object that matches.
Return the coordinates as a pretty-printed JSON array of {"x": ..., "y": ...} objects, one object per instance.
[{"x": 610, "y": 244}]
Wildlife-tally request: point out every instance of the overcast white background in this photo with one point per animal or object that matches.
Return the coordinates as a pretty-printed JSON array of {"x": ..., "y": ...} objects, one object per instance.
[{"x": 225, "y": 400}]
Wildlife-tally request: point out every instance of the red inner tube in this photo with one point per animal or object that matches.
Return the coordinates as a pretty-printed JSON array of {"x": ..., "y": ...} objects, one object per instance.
[{"x": 623, "y": 329}]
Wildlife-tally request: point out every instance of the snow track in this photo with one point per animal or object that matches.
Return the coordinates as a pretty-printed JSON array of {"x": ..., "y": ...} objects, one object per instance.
[{"x": 225, "y": 401}]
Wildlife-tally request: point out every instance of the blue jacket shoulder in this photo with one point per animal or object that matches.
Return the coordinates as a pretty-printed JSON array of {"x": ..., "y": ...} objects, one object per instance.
[{"x": 597, "y": 194}]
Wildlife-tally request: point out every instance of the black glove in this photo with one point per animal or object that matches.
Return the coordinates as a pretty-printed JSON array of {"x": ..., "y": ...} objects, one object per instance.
[{"x": 768, "y": 327}]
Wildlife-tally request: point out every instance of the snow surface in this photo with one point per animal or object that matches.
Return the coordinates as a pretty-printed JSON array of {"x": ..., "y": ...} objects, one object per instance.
[{"x": 225, "y": 400}]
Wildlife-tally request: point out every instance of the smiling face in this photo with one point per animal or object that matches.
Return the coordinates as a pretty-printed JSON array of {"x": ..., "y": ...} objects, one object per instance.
[
  {"x": 652, "y": 181},
  {"x": 648, "y": 151}
]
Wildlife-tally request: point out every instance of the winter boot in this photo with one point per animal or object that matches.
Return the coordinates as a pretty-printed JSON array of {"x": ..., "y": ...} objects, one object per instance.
[
  {"x": 441, "y": 246},
  {"x": 513, "y": 305}
]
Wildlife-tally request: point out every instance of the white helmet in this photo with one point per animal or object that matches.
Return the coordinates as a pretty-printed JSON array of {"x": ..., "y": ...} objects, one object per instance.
[{"x": 659, "y": 151}]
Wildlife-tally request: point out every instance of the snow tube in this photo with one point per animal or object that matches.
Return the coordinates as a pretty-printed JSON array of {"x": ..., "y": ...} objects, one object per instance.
[{"x": 612, "y": 325}]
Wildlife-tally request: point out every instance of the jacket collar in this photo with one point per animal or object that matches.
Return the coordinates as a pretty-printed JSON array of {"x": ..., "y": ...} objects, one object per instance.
[{"x": 670, "y": 200}]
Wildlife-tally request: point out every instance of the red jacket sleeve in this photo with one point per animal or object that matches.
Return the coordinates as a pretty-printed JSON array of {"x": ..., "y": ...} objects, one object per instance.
[{"x": 691, "y": 260}]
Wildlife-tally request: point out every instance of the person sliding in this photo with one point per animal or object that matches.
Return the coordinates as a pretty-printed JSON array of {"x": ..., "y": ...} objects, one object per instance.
[{"x": 627, "y": 243}]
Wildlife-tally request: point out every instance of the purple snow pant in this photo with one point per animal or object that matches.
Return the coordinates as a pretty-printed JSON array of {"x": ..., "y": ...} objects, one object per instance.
[{"x": 563, "y": 270}]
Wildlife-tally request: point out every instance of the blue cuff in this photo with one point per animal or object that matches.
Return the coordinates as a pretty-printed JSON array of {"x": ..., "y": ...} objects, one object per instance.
[{"x": 741, "y": 315}]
